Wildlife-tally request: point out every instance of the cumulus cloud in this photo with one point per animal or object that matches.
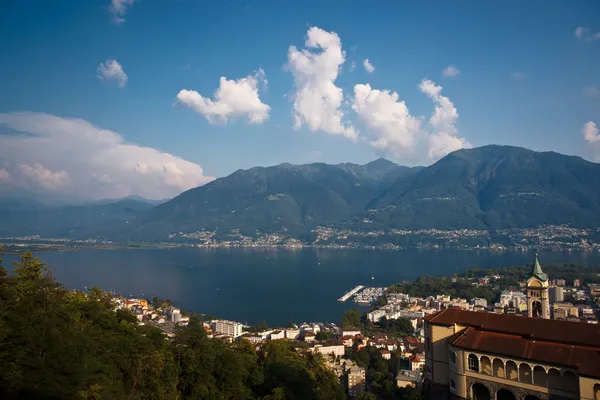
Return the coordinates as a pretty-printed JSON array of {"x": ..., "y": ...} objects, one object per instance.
[
  {"x": 368, "y": 66},
  {"x": 112, "y": 70},
  {"x": 233, "y": 98},
  {"x": 591, "y": 91},
  {"x": 450, "y": 71},
  {"x": 72, "y": 157},
  {"x": 590, "y": 132},
  {"x": 582, "y": 33},
  {"x": 317, "y": 100},
  {"x": 518, "y": 75},
  {"x": 443, "y": 139},
  {"x": 387, "y": 118},
  {"x": 118, "y": 9}
]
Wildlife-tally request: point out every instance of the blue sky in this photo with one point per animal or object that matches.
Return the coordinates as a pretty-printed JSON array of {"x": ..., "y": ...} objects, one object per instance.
[{"x": 525, "y": 78}]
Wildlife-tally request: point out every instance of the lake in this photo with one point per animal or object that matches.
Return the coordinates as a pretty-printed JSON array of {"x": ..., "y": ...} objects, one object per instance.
[{"x": 276, "y": 285}]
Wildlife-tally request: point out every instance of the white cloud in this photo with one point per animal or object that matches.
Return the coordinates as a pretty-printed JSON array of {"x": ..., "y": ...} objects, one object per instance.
[
  {"x": 518, "y": 75},
  {"x": 443, "y": 139},
  {"x": 232, "y": 99},
  {"x": 590, "y": 132},
  {"x": 368, "y": 66},
  {"x": 80, "y": 160},
  {"x": 591, "y": 91},
  {"x": 352, "y": 66},
  {"x": 582, "y": 33},
  {"x": 450, "y": 71},
  {"x": 112, "y": 70},
  {"x": 4, "y": 175},
  {"x": 118, "y": 9},
  {"x": 317, "y": 99},
  {"x": 387, "y": 118}
]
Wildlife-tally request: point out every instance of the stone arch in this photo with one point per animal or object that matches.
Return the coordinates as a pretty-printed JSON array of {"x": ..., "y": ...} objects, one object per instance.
[
  {"x": 540, "y": 377},
  {"x": 525, "y": 373},
  {"x": 498, "y": 367},
  {"x": 570, "y": 382},
  {"x": 554, "y": 379},
  {"x": 512, "y": 372},
  {"x": 473, "y": 362},
  {"x": 505, "y": 394},
  {"x": 485, "y": 365},
  {"x": 531, "y": 397},
  {"x": 480, "y": 392}
]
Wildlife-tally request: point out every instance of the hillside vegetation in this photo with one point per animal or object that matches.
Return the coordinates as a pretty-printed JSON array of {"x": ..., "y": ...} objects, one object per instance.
[{"x": 60, "y": 344}]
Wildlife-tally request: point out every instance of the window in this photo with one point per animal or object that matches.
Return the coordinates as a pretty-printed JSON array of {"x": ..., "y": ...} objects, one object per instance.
[
  {"x": 452, "y": 357},
  {"x": 473, "y": 363},
  {"x": 452, "y": 384}
]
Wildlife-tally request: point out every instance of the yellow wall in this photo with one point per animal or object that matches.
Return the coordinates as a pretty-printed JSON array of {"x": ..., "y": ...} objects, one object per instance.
[{"x": 586, "y": 388}]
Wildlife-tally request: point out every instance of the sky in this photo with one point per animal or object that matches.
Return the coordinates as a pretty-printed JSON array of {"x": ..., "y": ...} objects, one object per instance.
[{"x": 111, "y": 98}]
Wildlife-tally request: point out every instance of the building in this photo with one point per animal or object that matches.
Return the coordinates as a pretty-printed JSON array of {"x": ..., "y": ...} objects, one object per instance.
[
  {"x": 330, "y": 347},
  {"x": 406, "y": 378},
  {"x": 351, "y": 331},
  {"x": 576, "y": 283},
  {"x": 292, "y": 333},
  {"x": 356, "y": 381},
  {"x": 538, "y": 304},
  {"x": 386, "y": 354},
  {"x": 277, "y": 335},
  {"x": 229, "y": 328},
  {"x": 556, "y": 294},
  {"x": 415, "y": 363},
  {"x": 497, "y": 356},
  {"x": 479, "y": 302}
]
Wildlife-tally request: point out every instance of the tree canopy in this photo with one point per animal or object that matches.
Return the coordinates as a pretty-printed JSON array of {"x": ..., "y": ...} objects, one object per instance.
[{"x": 62, "y": 344}]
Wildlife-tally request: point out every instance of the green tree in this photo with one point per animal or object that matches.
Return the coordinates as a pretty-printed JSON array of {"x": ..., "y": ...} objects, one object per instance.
[{"x": 351, "y": 319}]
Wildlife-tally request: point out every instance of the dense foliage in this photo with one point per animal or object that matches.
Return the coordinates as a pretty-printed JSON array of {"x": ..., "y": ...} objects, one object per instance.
[
  {"x": 426, "y": 286},
  {"x": 60, "y": 344},
  {"x": 351, "y": 319}
]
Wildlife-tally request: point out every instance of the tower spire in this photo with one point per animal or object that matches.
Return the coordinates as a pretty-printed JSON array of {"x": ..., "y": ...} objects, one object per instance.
[{"x": 537, "y": 269}]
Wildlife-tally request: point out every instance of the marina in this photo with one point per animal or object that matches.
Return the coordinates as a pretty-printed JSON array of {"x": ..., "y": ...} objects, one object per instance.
[
  {"x": 350, "y": 293},
  {"x": 369, "y": 295}
]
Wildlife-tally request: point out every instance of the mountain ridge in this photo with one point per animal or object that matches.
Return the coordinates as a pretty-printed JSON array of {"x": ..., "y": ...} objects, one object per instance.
[{"x": 487, "y": 188}]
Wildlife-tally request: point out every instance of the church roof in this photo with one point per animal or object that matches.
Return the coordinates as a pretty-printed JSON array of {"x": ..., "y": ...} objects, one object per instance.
[{"x": 537, "y": 271}]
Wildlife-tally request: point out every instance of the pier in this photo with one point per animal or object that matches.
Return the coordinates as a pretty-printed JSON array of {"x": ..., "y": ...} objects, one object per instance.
[{"x": 350, "y": 293}]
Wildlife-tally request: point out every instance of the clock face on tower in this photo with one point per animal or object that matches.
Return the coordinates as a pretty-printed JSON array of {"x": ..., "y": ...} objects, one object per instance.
[{"x": 536, "y": 311}]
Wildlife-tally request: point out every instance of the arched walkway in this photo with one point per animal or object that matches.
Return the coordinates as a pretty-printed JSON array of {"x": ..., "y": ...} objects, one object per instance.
[
  {"x": 525, "y": 373},
  {"x": 539, "y": 376},
  {"x": 480, "y": 392},
  {"x": 554, "y": 379},
  {"x": 512, "y": 372},
  {"x": 505, "y": 394},
  {"x": 498, "y": 367},
  {"x": 473, "y": 363},
  {"x": 486, "y": 365}
]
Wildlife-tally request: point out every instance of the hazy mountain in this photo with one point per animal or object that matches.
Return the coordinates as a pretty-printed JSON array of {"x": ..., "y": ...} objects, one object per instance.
[
  {"x": 491, "y": 187},
  {"x": 73, "y": 221},
  {"x": 289, "y": 198}
]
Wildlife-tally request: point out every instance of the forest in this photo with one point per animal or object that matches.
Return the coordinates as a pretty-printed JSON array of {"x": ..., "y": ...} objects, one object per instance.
[{"x": 61, "y": 344}]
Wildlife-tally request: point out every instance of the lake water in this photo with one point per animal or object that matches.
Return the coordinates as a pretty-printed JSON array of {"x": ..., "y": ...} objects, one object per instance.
[{"x": 275, "y": 285}]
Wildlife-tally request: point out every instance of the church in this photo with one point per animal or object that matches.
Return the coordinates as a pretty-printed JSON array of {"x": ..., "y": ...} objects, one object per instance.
[{"x": 488, "y": 356}]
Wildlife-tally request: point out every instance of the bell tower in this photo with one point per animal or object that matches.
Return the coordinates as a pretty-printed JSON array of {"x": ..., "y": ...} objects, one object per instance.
[{"x": 538, "y": 303}]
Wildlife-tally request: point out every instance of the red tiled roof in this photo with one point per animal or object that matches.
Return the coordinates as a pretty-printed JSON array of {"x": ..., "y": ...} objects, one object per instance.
[
  {"x": 571, "y": 333},
  {"x": 586, "y": 360}
]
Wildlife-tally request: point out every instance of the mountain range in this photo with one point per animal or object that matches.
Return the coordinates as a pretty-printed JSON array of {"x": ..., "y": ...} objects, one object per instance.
[{"x": 487, "y": 188}]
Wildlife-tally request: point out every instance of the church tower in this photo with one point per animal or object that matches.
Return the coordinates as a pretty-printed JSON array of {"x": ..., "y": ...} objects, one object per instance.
[{"x": 538, "y": 304}]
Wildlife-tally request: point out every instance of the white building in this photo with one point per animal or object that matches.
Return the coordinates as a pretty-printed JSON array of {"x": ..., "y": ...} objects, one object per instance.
[
  {"x": 292, "y": 333},
  {"x": 479, "y": 302},
  {"x": 277, "y": 335},
  {"x": 334, "y": 348},
  {"x": 229, "y": 328}
]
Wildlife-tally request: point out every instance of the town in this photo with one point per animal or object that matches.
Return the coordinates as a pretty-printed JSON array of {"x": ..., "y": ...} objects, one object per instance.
[
  {"x": 397, "y": 328},
  {"x": 550, "y": 237}
]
